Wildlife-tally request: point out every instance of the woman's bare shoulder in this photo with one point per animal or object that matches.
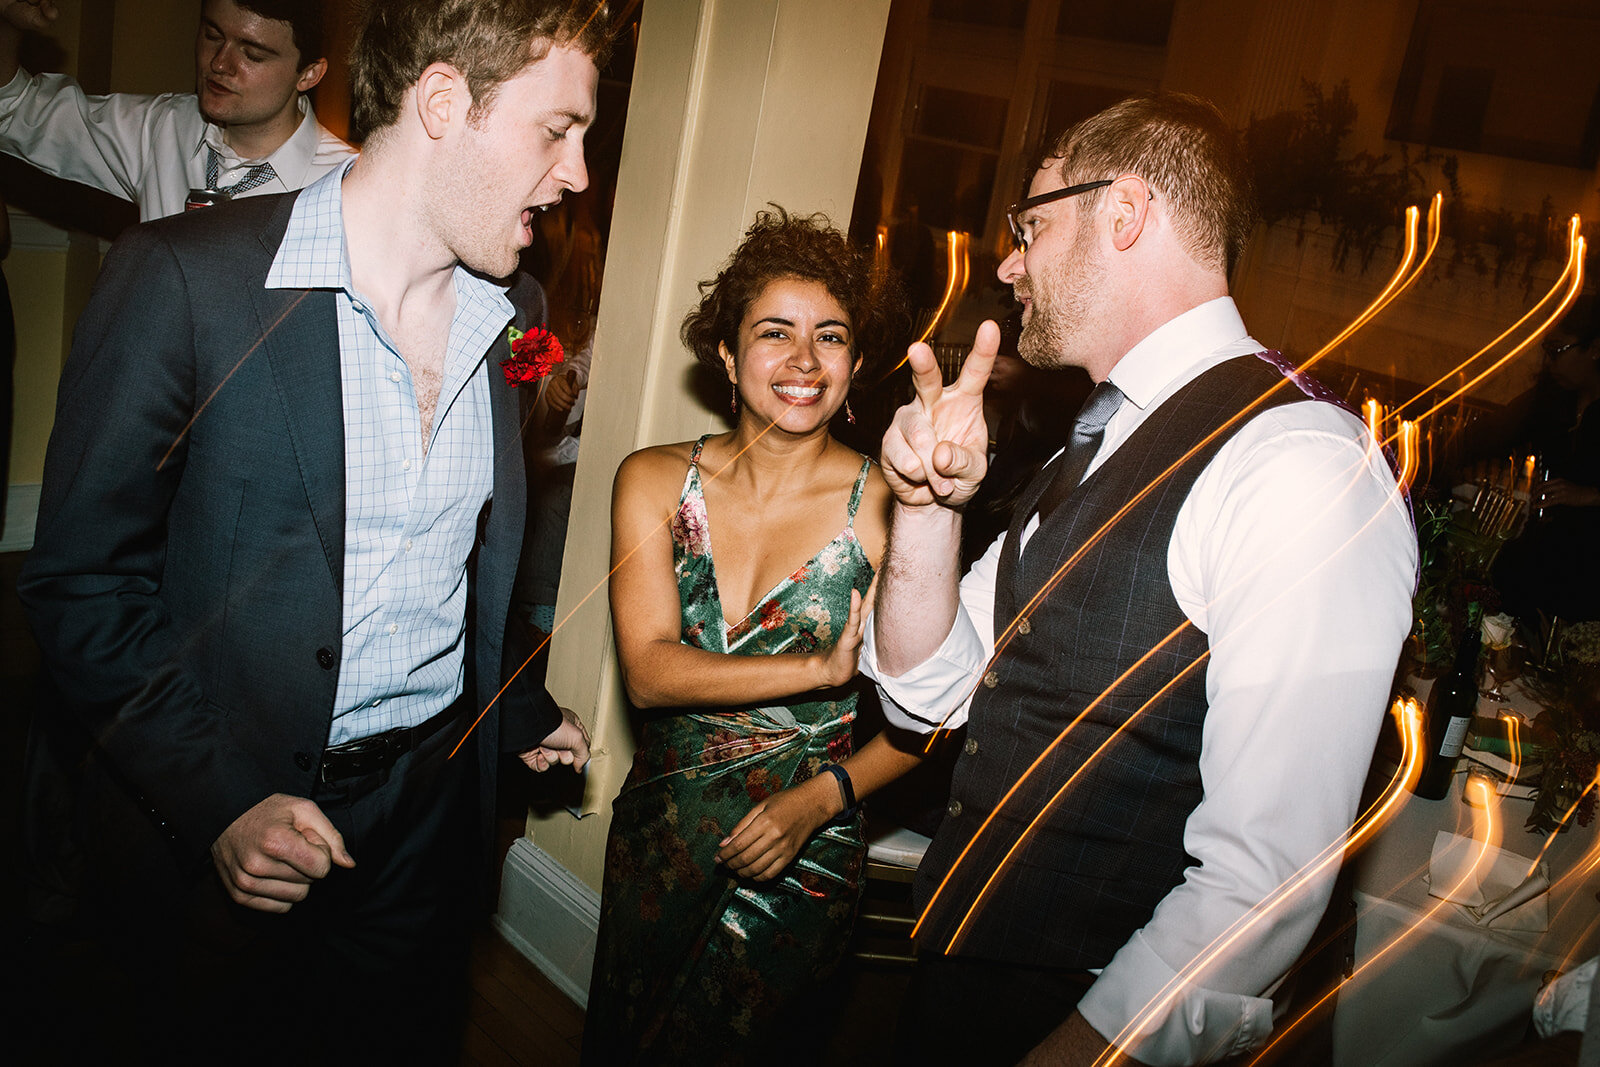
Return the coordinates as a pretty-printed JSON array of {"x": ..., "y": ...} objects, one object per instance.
[{"x": 657, "y": 471}]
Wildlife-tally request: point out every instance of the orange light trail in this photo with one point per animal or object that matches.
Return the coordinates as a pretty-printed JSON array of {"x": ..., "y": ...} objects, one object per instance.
[
  {"x": 1372, "y": 415},
  {"x": 1032, "y": 767},
  {"x": 1572, "y": 276},
  {"x": 995, "y": 874},
  {"x": 957, "y": 266},
  {"x": 1408, "y": 454},
  {"x": 1591, "y": 858},
  {"x": 1402, "y": 279}
]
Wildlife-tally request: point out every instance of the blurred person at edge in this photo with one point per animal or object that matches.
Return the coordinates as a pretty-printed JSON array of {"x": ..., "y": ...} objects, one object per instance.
[
  {"x": 246, "y": 130},
  {"x": 274, "y": 588},
  {"x": 1208, "y": 677},
  {"x": 1553, "y": 567}
]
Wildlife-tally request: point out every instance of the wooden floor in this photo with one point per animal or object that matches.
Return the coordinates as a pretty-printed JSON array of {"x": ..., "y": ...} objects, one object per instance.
[{"x": 515, "y": 1015}]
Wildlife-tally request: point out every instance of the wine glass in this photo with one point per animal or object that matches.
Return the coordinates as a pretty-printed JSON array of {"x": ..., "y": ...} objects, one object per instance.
[{"x": 1498, "y": 666}]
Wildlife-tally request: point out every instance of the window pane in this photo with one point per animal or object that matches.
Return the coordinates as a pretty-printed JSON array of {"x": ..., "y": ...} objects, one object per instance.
[{"x": 1129, "y": 22}]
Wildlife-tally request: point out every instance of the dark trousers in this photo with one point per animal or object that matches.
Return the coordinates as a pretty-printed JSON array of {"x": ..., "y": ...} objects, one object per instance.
[
  {"x": 369, "y": 968},
  {"x": 977, "y": 1012}
]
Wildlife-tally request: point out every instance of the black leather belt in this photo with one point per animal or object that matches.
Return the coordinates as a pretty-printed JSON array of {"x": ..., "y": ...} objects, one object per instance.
[{"x": 368, "y": 755}]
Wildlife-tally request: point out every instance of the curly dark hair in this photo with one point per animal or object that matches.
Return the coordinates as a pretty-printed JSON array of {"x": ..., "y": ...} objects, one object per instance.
[{"x": 808, "y": 247}]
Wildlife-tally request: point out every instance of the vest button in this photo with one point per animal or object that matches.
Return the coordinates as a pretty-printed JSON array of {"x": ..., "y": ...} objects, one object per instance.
[
  {"x": 325, "y": 658},
  {"x": 302, "y": 760},
  {"x": 1024, "y": 626},
  {"x": 954, "y": 809},
  {"x": 971, "y": 746},
  {"x": 991, "y": 680}
]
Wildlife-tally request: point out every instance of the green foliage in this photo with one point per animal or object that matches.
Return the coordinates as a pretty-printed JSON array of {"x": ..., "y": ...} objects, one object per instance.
[{"x": 1303, "y": 168}]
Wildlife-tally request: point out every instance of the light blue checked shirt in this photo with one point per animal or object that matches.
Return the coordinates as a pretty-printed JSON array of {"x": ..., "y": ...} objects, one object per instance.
[{"x": 410, "y": 518}]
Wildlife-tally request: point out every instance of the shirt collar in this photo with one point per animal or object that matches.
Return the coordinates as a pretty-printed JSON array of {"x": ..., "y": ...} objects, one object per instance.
[
  {"x": 312, "y": 254},
  {"x": 1176, "y": 346},
  {"x": 292, "y": 159}
]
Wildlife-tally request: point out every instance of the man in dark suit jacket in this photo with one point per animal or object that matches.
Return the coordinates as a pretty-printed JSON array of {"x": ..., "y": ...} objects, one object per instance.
[{"x": 268, "y": 577}]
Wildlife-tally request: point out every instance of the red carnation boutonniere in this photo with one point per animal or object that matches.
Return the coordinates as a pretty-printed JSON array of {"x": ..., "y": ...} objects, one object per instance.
[{"x": 533, "y": 355}]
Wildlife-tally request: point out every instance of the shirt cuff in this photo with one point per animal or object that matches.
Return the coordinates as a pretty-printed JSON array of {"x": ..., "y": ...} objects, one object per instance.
[
  {"x": 1199, "y": 1025},
  {"x": 935, "y": 694}
]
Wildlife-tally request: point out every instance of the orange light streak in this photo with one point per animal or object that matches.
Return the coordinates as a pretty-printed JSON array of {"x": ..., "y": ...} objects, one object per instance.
[
  {"x": 957, "y": 266},
  {"x": 1402, "y": 279},
  {"x": 995, "y": 874},
  {"x": 1408, "y": 453},
  {"x": 1372, "y": 415},
  {"x": 1572, "y": 276},
  {"x": 1032, "y": 767},
  {"x": 1591, "y": 858}
]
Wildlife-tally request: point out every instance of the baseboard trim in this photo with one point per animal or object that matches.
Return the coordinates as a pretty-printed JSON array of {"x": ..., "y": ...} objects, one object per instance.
[
  {"x": 550, "y": 917},
  {"x": 22, "y": 515}
]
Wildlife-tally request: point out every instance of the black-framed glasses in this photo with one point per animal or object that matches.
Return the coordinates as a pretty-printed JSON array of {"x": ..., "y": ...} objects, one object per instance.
[
  {"x": 1045, "y": 198},
  {"x": 1552, "y": 350}
]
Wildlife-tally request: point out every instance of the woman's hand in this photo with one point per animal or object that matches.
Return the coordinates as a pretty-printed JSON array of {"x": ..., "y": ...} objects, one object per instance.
[
  {"x": 772, "y": 833},
  {"x": 837, "y": 665}
]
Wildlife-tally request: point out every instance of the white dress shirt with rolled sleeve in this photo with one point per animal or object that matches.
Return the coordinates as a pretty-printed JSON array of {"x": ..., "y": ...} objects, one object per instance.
[
  {"x": 1294, "y": 553},
  {"x": 147, "y": 149}
]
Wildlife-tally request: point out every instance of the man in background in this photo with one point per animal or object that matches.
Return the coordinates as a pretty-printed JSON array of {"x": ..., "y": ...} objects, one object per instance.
[{"x": 246, "y": 130}]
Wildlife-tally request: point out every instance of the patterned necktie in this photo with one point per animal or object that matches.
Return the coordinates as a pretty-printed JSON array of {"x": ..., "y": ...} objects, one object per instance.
[
  {"x": 257, "y": 175},
  {"x": 1087, "y": 432}
]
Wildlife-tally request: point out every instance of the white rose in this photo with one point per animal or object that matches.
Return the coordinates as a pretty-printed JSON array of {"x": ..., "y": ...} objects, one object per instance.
[{"x": 1497, "y": 630}]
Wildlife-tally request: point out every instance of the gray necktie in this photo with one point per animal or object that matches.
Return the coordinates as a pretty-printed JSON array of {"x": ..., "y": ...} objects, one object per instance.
[
  {"x": 1087, "y": 432},
  {"x": 259, "y": 174}
]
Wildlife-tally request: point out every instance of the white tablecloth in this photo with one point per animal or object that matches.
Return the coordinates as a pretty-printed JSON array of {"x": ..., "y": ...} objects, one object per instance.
[{"x": 1452, "y": 992}]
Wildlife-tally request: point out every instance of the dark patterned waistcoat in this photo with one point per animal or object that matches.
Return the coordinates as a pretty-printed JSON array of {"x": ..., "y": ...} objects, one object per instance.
[{"x": 1078, "y": 856}]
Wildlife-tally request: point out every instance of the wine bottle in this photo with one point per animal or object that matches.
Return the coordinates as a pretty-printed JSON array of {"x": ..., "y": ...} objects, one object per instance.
[{"x": 1451, "y": 703}]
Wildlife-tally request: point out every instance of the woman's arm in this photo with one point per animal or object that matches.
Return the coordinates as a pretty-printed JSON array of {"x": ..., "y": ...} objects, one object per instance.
[
  {"x": 773, "y": 832},
  {"x": 658, "y": 670}
]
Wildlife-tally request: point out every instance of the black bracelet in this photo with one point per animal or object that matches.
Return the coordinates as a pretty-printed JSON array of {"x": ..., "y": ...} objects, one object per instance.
[{"x": 847, "y": 792}]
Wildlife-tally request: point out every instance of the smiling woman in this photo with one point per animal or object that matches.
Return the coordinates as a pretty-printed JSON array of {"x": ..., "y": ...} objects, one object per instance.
[{"x": 735, "y": 855}]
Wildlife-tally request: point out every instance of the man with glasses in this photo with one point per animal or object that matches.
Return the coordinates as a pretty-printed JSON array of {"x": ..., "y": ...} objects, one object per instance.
[{"x": 1173, "y": 665}]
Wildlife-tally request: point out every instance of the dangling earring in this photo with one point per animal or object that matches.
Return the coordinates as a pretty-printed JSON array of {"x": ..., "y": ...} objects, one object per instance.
[
  {"x": 733, "y": 400},
  {"x": 849, "y": 416}
]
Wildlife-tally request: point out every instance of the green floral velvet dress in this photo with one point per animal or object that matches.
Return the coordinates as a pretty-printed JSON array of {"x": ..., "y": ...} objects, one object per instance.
[{"x": 693, "y": 964}]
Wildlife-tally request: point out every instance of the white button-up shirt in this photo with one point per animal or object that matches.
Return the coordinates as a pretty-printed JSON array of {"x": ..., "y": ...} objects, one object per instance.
[
  {"x": 410, "y": 517},
  {"x": 1294, "y": 554},
  {"x": 147, "y": 149}
]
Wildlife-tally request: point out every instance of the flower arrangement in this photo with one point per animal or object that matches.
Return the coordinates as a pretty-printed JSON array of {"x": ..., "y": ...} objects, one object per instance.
[
  {"x": 1453, "y": 564},
  {"x": 534, "y": 354}
]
